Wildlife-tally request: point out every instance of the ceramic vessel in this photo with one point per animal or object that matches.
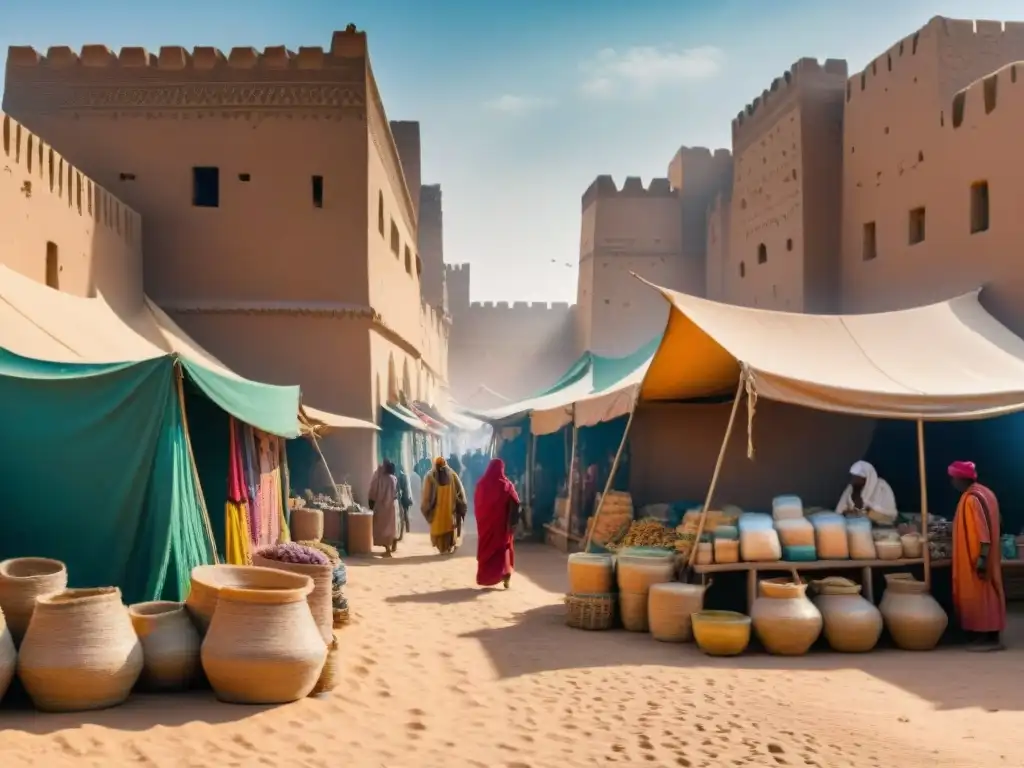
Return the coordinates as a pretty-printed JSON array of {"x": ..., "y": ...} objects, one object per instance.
[
  {"x": 669, "y": 608},
  {"x": 170, "y": 645},
  {"x": 852, "y": 623},
  {"x": 207, "y": 581},
  {"x": 8, "y": 657},
  {"x": 263, "y": 646},
  {"x": 80, "y": 651},
  {"x": 307, "y": 524},
  {"x": 913, "y": 617},
  {"x": 320, "y": 599},
  {"x": 786, "y": 622},
  {"x": 360, "y": 532},
  {"x": 590, "y": 574},
  {"x": 22, "y": 580},
  {"x": 721, "y": 633}
]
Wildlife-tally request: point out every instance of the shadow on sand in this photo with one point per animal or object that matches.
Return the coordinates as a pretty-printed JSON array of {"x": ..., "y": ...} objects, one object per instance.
[{"x": 440, "y": 597}]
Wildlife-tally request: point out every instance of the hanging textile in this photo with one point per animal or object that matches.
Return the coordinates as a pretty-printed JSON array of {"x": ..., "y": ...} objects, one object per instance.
[
  {"x": 237, "y": 537},
  {"x": 247, "y": 444},
  {"x": 286, "y": 490}
]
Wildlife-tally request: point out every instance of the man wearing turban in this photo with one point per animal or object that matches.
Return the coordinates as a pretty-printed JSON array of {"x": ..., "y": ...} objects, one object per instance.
[{"x": 978, "y": 594}]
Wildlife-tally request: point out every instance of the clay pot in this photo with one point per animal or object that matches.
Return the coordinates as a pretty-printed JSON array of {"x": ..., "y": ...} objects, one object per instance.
[
  {"x": 8, "y": 656},
  {"x": 80, "y": 651},
  {"x": 307, "y": 524},
  {"x": 590, "y": 574},
  {"x": 913, "y": 617},
  {"x": 360, "y": 533},
  {"x": 22, "y": 580},
  {"x": 207, "y": 581},
  {"x": 786, "y": 622},
  {"x": 669, "y": 608},
  {"x": 262, "y": 646},
  {"x": 852, "y": 624},
  {"x": 320, "y": 599},
  {"x": 170, "y": 645}
]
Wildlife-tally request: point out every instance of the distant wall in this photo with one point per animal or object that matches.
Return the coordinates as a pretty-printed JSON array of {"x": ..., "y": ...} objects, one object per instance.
[
  {"x": 57, "y": 225},
  {"x": 406, "y": 134},
  {"x": 431, "y": 242},
  {"x": 718, "y": 258}
]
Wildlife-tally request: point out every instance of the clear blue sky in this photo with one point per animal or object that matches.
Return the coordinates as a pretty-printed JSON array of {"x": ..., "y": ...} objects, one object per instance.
[{"x": 523, "y": 103}]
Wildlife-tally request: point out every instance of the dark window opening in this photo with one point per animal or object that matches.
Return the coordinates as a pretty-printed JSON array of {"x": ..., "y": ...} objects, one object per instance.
[
  {"x": 318, "y": 191},
  {"x": 869, "y": 248},
  {"x": 206, "y": 187},
  {"x": 127, "y": 176},
  {"x": 917, "y": 229},
  {"x": 743, "y": 269},
  {"x": 380, "y": 213},
  {"x": 396, "y": 240},
  {"x": 52, "y": 266},
  {"x": 408, "y": 260},
  {"x": 979, "y": 207},
  {"x": 789, "y": 243},
  {"x": 762, "y": 253},
  {"x": 244, "y": 177}
]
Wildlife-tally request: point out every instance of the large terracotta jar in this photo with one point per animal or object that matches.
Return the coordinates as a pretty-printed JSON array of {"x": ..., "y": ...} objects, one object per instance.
[
  {"x": 786, "y": 622},
  {"x": 207, "y": 581},
  {"x": 8, "y": 656},
  {"x": 170, "y": 645},
  {"x": 263, "y": 646},
  {"x": 852, "y": 623},
  {"x": 913, "y": 617},
  {"x": 22, "y": 580},
  {"x": 638, "y": 570},
  {"x": 80, "y": 651}
]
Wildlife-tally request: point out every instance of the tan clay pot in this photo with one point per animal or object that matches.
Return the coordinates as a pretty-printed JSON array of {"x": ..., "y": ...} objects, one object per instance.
[
  {"x": 207, "y": 581},
  {"x": 590, "y": 574},
  {"x": 307, "y": 524},
  {"x": 320, "y": 599},
  {"x": 913, "y": 617},
  {"x": 80, "y": 651},
  {"x": 786, "y": 622},
  {"x": 263, "y": 646},
  {"x": 22, "y": 580},
  {"x": 852, "y": 623},
  {"x": 8, "y": 656},
  {"x": 170, "y": 645},
  {"x": 669, "y": 608},
  {"x": 633, "y": 611}
]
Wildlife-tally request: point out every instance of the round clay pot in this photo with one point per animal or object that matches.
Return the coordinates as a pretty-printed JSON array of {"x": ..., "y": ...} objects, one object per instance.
[
  {"x": 852, "y": 623},
  {"x": 913, "y": 617},
  {"x": 669, "y": 608},
  {"x": 170, "y": 645},
  {"x": 207, "y": 581},
  {"x": 307, "y": 524},
  {"x": 319, "y": 599},
  {"x": 80, "y": 651},
  {"x": 786, "y": 622},
  {"x": 8, "y": 656},
  {"x": 22, "y": 580},
  {"x": 263, "y": 646}
]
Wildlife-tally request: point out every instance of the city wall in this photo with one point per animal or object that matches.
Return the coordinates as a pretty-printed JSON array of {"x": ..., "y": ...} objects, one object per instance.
[
  {"x": 431, "y": 243},
  {"x": 62, "y": 229}
]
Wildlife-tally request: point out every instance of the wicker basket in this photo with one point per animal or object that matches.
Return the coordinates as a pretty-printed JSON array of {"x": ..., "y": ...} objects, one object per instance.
[
  {"x": 80, "y": 651},
  {"x": 593, "y": 612},
  {"x": 307, "y": 524},
  {"x": 170, "y": 645},
  {"x": 330, "y": 676},
  {"x": 208, "y": 580},
  {"x": 320, "y": 599},
  {"x": 22, "y": 580}
]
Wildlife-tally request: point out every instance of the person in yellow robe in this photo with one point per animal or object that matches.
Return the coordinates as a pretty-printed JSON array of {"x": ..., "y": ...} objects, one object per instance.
[{"x": 443, "y": 504}]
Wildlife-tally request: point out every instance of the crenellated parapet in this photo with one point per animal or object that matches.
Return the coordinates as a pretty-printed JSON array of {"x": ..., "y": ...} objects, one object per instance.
[
  {"x": 1000, "y": 92},
  {"x": 604, "y": 188}
]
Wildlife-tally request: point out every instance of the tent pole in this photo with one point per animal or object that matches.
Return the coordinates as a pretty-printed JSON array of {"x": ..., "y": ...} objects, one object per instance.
[
  {"x": 531, "y": 458},
  {"x": 923, "y": 476},
  {"x": 179, "y": 379},
  {"x": 718, "y": 469},
  {"x": 571, "y": 485},
  {"x": 611, "y": 474},
  {"x": 335, "y": 493}
]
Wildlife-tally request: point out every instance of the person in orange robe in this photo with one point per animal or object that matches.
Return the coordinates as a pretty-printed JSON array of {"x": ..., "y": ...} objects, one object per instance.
[{"x": 978, "y": 594}]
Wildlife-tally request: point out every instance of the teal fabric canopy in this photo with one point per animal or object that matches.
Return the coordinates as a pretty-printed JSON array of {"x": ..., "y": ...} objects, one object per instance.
[{"x": 97, "y": 471}]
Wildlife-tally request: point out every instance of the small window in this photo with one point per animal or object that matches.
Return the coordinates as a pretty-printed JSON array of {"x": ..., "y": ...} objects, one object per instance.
[
  {"x": 318, "y": 191},
  {"x": 408, "y": 260},
  {"x": 743, "y": 269},
  {"x": 206, "y": 187},
  {"x": 979, "y": 207},
  {"x": 127, "y": 177},
  {"x": 869, "y": 248},
  {"x": 244, "y": 177},
  {"x": 396, "y": 240},
  {"x": 762, "y": 254},
  {"x": 52, "y": 266},
  {"x": 789, "y": 243},
  {"x": 380, "y": 213},
  {"x": 917, "y": 229}
]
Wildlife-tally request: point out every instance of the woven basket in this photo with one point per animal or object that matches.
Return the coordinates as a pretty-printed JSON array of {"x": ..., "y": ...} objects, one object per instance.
[
  {"x": 341, "y": 617},
  {"x": 208, "y": 580},
  {"x": 262, "y": 646},
  {"x": 22, "y": 580},
  {"x": 360, "y": 533},
  {"x": 8, "y": 657},
  {"x": 80, "y": 651},
  {"x": 307, "y": 524},
  {"x": 320, "y": 599},
  {"x": 170, "y": 645},
  {"x": 330, "y": 676},
  {"x": 593, "y": 612}
]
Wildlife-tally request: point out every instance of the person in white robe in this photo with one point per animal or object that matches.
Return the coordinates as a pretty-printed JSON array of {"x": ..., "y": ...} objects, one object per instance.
[{"x": 868, "y": 496}]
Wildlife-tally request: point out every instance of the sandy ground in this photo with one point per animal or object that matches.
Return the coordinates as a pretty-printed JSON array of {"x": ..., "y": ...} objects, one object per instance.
[{"x": 440, "y": 673}]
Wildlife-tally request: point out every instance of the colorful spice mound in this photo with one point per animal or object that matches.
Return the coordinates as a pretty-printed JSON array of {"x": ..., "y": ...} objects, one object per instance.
[
  {"x": 290, "y": 552},
  {"x": 649, "y": 533},
  {"x": 327, "y": 549}
]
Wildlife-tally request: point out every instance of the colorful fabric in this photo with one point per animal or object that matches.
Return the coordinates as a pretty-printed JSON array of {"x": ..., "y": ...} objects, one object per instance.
[
  {"x": 383, "y": 498},
  {"x": 963, "y": 470},
  {"x": 493, "y": 501},
  {"x": 439, "y": 504},
  {"x": 979, "y": 599}
]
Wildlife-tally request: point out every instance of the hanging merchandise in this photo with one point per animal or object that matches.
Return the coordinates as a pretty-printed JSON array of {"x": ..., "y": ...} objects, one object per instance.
[{"x": 237, "y": 536}]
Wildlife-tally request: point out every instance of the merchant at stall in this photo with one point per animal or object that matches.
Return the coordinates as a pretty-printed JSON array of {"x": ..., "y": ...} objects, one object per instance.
[{"x": 868, "y": 496}]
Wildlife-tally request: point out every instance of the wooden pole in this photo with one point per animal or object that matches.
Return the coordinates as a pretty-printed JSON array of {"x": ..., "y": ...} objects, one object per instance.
[
  {"x": 531, "y": 459},
  {"x": 923, "y": 476},
  {"x": 335, "y": 493},
  {"x": 718, "y": 469},
  {"x": 571, "y": 485},
  {"x": 614, "y": 469}
]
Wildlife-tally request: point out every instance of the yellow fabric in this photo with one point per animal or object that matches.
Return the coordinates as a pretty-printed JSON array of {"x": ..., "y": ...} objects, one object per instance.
[
  {"x": 236, "y": 535},
  {"x": 869, "y": 364},
  {"x": 444, "y": 511}
]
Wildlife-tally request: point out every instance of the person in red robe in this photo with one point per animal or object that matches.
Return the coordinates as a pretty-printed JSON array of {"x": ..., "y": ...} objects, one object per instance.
[
  {"x": 978, "y": 594},
  {"x": 496, "y": 506}
]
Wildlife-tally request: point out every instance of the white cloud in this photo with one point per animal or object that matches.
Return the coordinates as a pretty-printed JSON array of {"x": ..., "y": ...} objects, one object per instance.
[
  {"x": 516, "y": 105},
  {"x": 642, "y": 70}
]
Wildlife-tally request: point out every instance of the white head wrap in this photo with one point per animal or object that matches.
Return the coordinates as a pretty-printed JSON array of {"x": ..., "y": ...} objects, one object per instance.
[{"x": 861, "y": 469}]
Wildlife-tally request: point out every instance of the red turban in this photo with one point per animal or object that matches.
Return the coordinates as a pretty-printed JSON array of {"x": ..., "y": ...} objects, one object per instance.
[{"x": 963, "y": 470}]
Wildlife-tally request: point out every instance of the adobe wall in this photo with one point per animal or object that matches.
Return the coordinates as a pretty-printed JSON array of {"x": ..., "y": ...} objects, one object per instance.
[
  {"x": 632, "y": 229},
  {"x": 406, "y": 134},
  {"x": 699, "y": 175},
  {"x": 718, "y": 256},
  {"x": 456, "y": 279},
  {"x": 431, "y": 243},
  {"x": 786, "y": 203},
  {"x": 912, "y": 142},
  {"x": 50, "y": 210}
]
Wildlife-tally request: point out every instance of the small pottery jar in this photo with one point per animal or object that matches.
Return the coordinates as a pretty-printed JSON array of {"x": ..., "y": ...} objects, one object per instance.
[
  {"x": 669, "y": 608},
  {"x": 786, "y": 622},
  {"x": 913, "y": 617},
  {"x": 852, "y": 623},
  {"x": 170, "y": 645},
  {"x": 8, "y": 657},
  {"x": 80, "y": 651},
  {"x": 22, "y": 580},
  {"x": 307, "y": 524},
  {"x": 263, "y": 646}
]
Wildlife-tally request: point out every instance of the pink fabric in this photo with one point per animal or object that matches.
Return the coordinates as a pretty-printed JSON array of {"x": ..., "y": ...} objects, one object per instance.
[
  {"x": 236, "y": 479},
  {"x": 495, "y": 552},
  {"x": 963, "y": 470}
]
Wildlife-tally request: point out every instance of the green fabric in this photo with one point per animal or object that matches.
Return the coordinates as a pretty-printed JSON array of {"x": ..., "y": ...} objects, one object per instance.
[
  {"x": 579, "y": 368},
  {"x": 608, "y": 371},
  {"x": 267, "y": 407},
  {"x": 96, "y": 473}
]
